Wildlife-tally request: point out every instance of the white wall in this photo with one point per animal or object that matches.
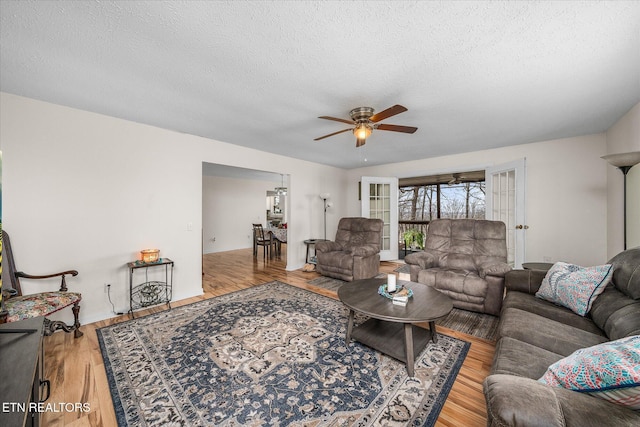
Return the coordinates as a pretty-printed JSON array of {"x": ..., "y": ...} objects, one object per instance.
[
  {"x": 229, "y": 207},
  {"x": 87, "y": 191},
  {"x": 624, "y": 137},
  {"x": 566, "y": 196}
]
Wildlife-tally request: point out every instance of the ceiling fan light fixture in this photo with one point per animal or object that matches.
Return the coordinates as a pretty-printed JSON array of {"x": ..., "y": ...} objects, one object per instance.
[
  {"x": 362, "y": 131},
  {"x": 365, "y": 121},
  {"x": 282, "y": 190}
]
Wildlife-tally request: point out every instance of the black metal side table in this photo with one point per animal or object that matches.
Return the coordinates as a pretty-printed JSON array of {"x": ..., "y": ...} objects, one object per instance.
[
  {"x": 150, "y": 292},
  {"x": 310, "y": 243},
  {"x": 544, "y": 266}
]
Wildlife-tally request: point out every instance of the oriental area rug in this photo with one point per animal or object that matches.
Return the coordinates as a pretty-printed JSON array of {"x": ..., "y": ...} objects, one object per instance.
[{"x": 270, "y": 355}]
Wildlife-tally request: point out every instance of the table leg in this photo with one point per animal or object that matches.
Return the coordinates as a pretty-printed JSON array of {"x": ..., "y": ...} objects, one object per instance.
[
  {"x": 408, "y": 347},
  {"x": 347, "y": 339},
  {"x": 131, "y": 293},
  {"x": 432, "y": 328}
]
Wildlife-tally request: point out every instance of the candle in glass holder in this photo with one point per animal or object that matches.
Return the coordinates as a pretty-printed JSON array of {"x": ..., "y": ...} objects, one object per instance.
[
  {"x": 391, "y": 283},
  {"x": 150, "y": 255}
]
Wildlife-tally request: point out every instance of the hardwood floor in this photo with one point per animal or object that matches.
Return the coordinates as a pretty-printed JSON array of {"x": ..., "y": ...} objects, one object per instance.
[{"x": 76, "y": 370}]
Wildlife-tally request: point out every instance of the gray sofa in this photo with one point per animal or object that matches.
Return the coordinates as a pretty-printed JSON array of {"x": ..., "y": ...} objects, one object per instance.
[
  {"x": 355, "y": 253},
  {"x": 466, "y": 259},
  {"x": 533, "y": 334}
]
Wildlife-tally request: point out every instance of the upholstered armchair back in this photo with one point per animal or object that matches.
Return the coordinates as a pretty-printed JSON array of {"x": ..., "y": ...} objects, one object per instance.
[
  {"x": 466, "y": 244},
  {"x": 354, "y": 232}
]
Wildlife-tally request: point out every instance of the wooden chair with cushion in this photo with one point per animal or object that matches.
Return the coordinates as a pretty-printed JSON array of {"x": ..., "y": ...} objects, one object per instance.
[
  {"x": 19, "y": 307},
  {"x": 260, "y": 238}
]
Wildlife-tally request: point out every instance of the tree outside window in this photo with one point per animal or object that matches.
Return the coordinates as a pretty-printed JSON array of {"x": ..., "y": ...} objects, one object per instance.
[
  {"x": 464, "y": 200},
  {"x": 440, "y": 196}
]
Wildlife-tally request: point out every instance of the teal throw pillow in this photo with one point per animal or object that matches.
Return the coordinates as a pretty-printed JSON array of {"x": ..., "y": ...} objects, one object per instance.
[
  {"x": 574, "y": 287},
  {"x": 609, "y": 371}
]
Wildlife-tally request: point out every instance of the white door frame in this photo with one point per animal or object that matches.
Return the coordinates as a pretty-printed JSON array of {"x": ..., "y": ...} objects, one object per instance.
[
  {"x": 388, "y": 212},
  {"x": 510, "y": 206}
]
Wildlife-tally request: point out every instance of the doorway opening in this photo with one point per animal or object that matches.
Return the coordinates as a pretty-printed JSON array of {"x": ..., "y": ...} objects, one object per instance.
[{"x": 235, "y": 198}]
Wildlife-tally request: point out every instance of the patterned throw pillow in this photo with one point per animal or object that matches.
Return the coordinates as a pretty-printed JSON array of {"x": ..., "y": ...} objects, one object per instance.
[
  {"x": 573, "y": 286},
  {"x": 609, "y": 371}
]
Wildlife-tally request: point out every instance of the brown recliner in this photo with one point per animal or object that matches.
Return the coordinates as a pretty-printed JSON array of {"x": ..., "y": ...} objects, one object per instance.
[
  {"x": 355, "y": 253},
  {"x": 465, "y": 259}
]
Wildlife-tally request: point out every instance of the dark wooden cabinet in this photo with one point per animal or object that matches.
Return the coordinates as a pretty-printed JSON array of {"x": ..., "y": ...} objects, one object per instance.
[{"x": 22, "y": 384}]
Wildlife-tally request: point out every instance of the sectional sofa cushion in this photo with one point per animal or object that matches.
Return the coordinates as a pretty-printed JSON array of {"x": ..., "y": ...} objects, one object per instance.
[
  {"x": 511, "y": 352},
  {"x": 545, "y": 333},
  {"x": 616, "y": 314},
  {"x": 530, "y": 303}
]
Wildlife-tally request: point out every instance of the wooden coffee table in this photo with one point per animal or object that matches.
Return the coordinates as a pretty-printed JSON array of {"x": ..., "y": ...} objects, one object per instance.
[{"x": 387, "y": 321}]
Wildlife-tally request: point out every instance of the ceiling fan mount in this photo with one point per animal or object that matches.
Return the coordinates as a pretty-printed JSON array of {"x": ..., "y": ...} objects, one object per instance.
[
  {"x": 364, "y": 121},
  {"x": 361, "y": 113}
]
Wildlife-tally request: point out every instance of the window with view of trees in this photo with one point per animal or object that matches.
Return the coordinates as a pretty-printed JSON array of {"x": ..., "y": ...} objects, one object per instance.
[
  {"x": 420, "y": 200},
  {"x": 465, "y": 200}
]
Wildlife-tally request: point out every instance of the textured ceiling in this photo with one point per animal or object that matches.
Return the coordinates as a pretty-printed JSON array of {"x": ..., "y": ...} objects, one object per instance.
[{"x": 473, "y": 75}]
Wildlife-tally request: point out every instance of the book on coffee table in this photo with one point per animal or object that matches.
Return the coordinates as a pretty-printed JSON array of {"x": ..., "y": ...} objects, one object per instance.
[
  {"x": 401, "y": 297},
  {"x": 400, "y": 300}
]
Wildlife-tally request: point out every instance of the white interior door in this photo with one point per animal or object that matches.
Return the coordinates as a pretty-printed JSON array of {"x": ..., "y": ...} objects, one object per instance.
[
  {"x": 505, "y": 201},
  {"x": 380, "y": 200}
]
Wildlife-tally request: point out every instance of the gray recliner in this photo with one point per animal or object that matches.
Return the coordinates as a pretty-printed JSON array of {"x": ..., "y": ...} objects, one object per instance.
[
  {"x": 355, "y": 253},
  {"x": 465, "y": 259}
]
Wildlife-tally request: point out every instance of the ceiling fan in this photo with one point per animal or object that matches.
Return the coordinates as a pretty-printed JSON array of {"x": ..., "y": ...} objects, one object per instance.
[{"x": 364, "y": 122}]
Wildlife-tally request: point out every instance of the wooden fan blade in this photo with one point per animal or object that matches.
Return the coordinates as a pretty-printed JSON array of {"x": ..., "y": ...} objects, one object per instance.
[
  {"x": 349, "y": 122},
  {"x": 391, "y": 111},
  {"x": 397, "y": 128},
  {"x": 331, "y": 134}
]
